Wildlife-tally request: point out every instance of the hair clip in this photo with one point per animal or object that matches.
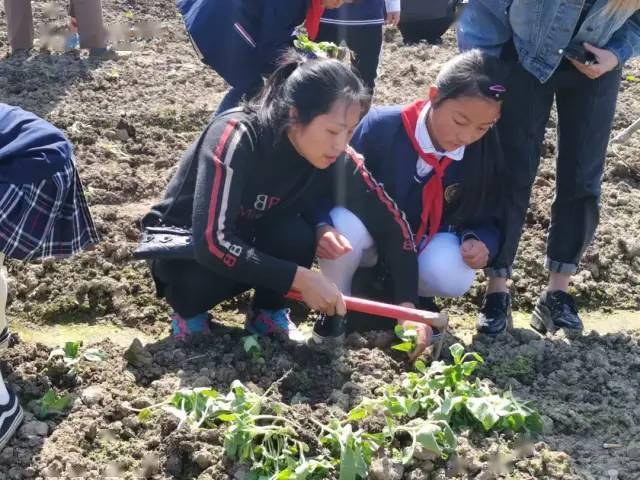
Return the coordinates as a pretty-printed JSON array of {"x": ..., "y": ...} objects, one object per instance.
[{"x": 497, "y": 90}]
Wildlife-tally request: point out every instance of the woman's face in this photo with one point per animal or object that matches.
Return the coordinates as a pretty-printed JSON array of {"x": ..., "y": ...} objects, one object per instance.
[
  {"x": 326, "y": 137},
  {"x": 460, "y": 121}
]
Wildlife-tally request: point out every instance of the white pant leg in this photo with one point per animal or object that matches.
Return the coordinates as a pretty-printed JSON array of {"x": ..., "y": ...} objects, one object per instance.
[
  {"x": 442, "y": 270},
  {"x": 3, "y": 293},
  {"x": 364, "y": 253}
]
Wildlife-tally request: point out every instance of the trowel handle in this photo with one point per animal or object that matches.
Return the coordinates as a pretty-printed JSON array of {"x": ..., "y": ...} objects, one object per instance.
[{"x": 438, "y": 320}]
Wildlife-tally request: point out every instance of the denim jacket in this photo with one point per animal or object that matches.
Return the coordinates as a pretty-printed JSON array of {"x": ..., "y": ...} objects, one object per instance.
[{"x": 541, "y": 29}]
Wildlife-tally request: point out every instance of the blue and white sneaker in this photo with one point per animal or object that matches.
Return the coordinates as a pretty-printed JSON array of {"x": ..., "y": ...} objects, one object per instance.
[
  {"x": 185, "y": 329},
  {"x": 11, "y": 416},
  {"x": 72, "y": 43},
  {"x": 4, "y": 338},
  {"x": 261, "y": 321}
]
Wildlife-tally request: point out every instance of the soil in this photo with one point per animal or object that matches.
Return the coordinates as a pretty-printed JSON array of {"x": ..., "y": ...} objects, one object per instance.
[{"x": 130, "y": 119}]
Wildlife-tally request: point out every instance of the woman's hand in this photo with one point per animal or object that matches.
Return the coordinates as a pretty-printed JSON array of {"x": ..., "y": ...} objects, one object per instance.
[
  {"x": 474, "y": 253},
  {"x": 393, "y": 18},
  {"x": 424, "y": 334},
  {"x": 318, "y": 292},
  {"x": 330, "y": 244},
  {"x": 605, "y": 62}
]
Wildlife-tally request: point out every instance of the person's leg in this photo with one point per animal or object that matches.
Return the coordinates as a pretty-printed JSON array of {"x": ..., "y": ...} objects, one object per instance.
[
  {"x": 442, "y": 271},
  {"x": 19, "y": 24},
  {"x": 525, "y": 113},
  {"x": 191, "y": 290},
  {"x": 239, "y": 93},
  {"x": 289, "y": 238},
  {"x": 11, "y": 414},
  {"x": 363, "y": 253},
  {"x": 4, "y": 392},
  {"x": 341, "y": 271},
  {"x": 91, "y": 29},
  {"x": 331, "y": 33},
  {"x": 366, "y": 44},
  {"x": 4, "y": 330},
  {"x": 582, "y": 148}
]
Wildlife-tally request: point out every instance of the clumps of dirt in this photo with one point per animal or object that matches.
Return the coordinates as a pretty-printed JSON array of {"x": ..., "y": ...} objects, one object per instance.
[
  {"x": 585, "y": 388},
  {"x": 102, "y": 435}
]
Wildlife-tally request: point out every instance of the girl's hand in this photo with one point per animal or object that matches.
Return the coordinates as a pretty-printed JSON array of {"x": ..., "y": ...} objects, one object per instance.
[
  {"x": 474, "y": 253},
  {"x": 330, "y": 244},
  {"x": 605, "y": 62},
  {"x": 318, "y": 292},
  {"x": 424, "y": 333},
  {"x": 393, "y": 18}
]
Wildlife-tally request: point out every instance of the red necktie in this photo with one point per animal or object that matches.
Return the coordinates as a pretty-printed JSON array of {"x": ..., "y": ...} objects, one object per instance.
[
  {"x": 432, "y": 192},
  {"x": 312, "y": 23}
]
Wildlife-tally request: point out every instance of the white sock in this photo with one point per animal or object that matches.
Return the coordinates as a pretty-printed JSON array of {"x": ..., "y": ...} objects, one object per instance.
[
  {"x": 4, "y": 394},
  {"x": 3, "y": 293}
]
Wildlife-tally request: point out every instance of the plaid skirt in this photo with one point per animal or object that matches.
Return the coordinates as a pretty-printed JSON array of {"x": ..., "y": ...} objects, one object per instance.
[{"x": 45, "y": 219}]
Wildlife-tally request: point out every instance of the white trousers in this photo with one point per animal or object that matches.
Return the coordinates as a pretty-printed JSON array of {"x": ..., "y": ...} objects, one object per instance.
[
  {"x": 442, "y": 272},
  {"x": 3, "y": 293}
]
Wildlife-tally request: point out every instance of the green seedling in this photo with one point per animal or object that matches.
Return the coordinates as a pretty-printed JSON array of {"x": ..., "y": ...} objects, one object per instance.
[
  {"x": 409, "y": 337},
  {"x": 66, "y": 359},
  {"x": 320, "y": 49},
  {"x": 51, "y": 404},
  {"x": 252, "y": 348},
  {"x": 424, "y": 410}
]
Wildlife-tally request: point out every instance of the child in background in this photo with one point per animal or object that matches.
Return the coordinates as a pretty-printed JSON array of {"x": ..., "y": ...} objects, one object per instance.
[
  {"x": 243, "y": 39},
  {"x": 359, "y": 25},
  {"x": 44, "y": 214}
]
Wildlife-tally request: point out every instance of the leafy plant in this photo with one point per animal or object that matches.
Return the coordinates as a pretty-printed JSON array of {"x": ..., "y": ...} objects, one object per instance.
[
  {"x": 65, "y": 359},
  {"x": 422, "y": 411},
  {"x": 252, "y": 348},
  {"x": 353, "y": 450},
  {"x": 318, "y": 49},
  {"x": 409, "y": 337},
  {"x": 51, "y": 404}
]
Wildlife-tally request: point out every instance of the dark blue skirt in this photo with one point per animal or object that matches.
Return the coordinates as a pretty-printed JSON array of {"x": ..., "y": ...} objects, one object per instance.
[{"x": 45, "y": 219}]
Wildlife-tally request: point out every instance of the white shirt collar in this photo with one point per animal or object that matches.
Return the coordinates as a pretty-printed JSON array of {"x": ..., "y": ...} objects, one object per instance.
[{"x": 424, "y": 140}]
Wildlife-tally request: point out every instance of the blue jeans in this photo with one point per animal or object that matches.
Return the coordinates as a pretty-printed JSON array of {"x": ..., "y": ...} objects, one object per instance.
[{"x": 585, "y": 115}]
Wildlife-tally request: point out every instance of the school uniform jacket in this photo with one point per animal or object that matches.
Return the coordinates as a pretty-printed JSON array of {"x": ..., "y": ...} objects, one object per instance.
[
  {"x": 363, "y": 13},
  {"x": 389, "y": 155},
  {"x": 31, "y": 149},
  {"x": 242, "y": 39},
  {"x": 237, "y": 175}
]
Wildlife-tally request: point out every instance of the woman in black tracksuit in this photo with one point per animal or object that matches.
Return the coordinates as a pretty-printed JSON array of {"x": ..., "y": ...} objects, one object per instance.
[{"x": 243, "y": 187}]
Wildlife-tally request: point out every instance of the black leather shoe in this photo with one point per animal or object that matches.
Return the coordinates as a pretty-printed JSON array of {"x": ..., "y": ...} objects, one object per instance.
[
  {"x": 556, "y": 311},
  {"x": 329, "y": 329},
  {"x": 495, "y": 314}
]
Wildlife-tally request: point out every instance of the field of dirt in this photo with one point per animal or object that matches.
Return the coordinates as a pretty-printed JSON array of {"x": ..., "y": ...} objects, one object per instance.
[{"x": 130, "y": 119}]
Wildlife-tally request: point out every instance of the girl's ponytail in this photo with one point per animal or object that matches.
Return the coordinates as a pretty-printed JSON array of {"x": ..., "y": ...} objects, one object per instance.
[{"x": 288, "y": 63}]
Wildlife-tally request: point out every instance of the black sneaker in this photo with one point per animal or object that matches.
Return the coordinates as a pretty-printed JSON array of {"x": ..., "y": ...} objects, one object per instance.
[
  {"x": 556, "y": 311},
  {"x": 429, "y": 304},
  {"x": 494, "y": 317},
  {"x": 11, "y": 416},
  {"x": 329, "y": 329},
  {"x": 4, "y": 338}
]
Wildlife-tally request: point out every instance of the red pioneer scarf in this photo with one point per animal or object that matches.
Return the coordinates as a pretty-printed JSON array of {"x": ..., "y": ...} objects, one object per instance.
[
  {"x": 432, "y": 192},
  {"x": 313, "y": 18}
]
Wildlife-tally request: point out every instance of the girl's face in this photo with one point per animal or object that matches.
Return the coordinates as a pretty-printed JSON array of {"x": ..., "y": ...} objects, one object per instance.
[
  {"x": 326, "y": 137},
  {"x": 460, "y": 121}
]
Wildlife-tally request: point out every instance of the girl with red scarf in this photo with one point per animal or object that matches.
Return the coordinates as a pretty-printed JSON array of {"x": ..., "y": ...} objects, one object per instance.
[
  {"x": 243, "y": 39},
  {"x": 439, "y": 158}
]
